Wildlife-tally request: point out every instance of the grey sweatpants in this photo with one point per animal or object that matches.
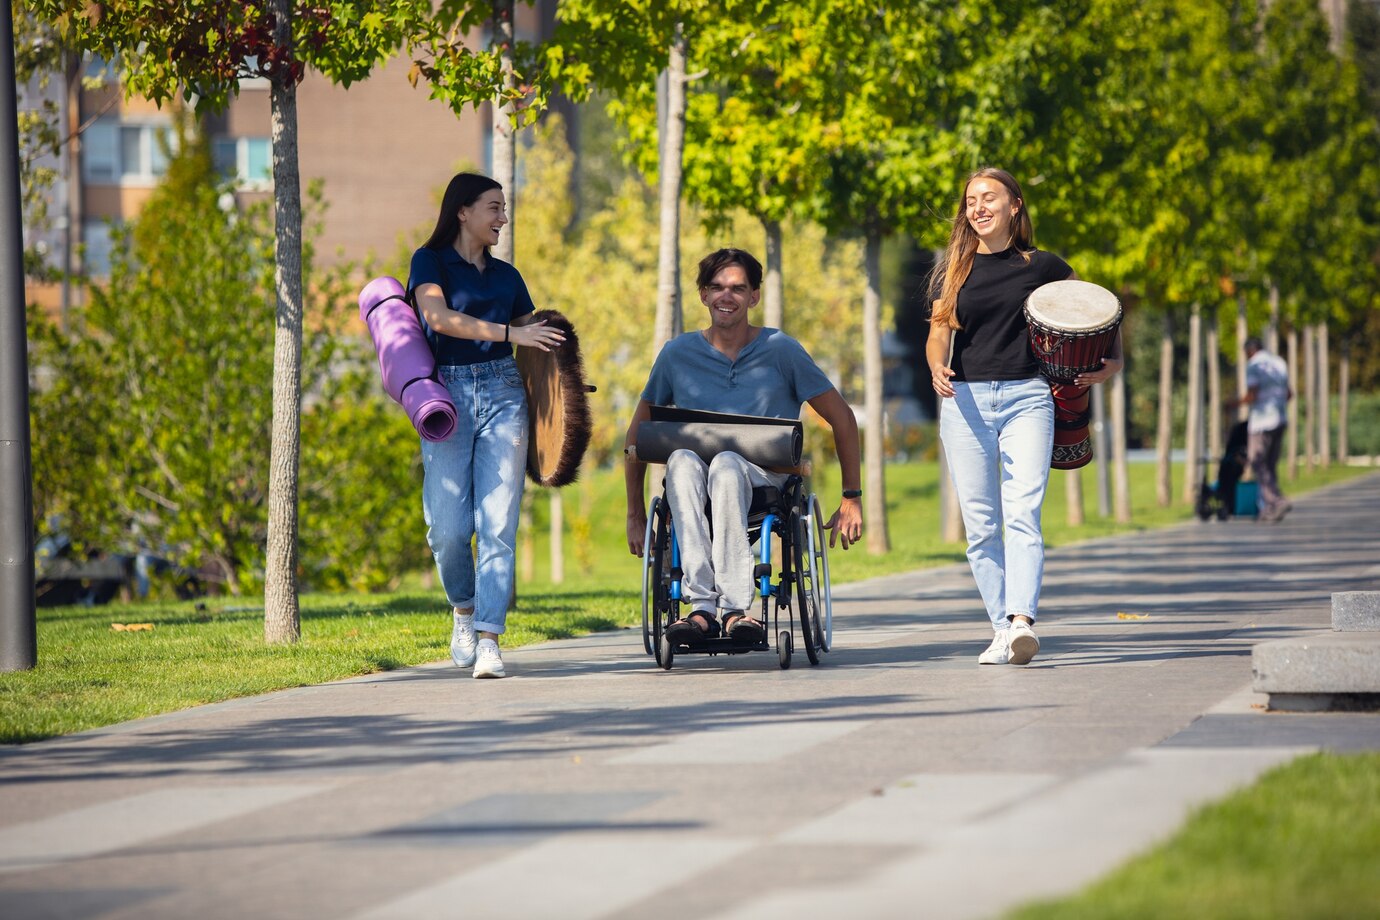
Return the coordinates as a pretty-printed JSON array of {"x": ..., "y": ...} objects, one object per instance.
[{"x": 716, "y": 571}]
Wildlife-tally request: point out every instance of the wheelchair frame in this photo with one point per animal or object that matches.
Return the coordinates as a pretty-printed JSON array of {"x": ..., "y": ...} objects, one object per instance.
[{"x": 792, "y": 516}]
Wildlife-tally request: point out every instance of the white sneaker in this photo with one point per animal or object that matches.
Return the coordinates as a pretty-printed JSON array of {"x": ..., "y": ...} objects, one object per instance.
[
  {"x": 999, "y": 652},
  {"x": 490, "y": 662},
  {"x": 1023, "y": 641},
  {"x": 462, "y": 640}
]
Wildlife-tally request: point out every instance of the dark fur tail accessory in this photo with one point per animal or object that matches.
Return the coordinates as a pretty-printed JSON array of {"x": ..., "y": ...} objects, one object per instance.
[{"x": 560, "y": 422}]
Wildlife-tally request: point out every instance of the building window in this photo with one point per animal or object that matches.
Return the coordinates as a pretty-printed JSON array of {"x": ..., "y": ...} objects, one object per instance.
[
  {"x": 100, "y": 159},
  {"x": 129, "y": 153},
  {"x": 247, "y": 160},
  {"x": 95, "y": 235}
]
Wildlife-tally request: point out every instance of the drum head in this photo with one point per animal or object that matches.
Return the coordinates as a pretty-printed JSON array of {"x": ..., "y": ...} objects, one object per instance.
[
  {"x": 557, "y": 406},
  {"x": 1072, "y": 306}
]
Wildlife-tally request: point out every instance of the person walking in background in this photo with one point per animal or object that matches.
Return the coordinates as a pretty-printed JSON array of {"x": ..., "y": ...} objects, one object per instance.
[
  {"x": 996, "y": 416},
  {"x": 1267, "y": 394},
  {"x": 474, "y": 309}
]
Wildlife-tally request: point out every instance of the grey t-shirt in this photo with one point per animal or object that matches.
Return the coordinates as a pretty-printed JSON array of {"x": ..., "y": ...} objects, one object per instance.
[{"x": 773, "y": 376}]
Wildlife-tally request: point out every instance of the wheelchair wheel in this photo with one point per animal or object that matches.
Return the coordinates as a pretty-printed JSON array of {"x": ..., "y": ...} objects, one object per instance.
[
  {"x": 807, "y": 608},
  {"x": 783, "y": 649},
  {"x": 817, "y": 569},
  {"x": 666, "y": 655},
  {"x": 655, "y": 593}
]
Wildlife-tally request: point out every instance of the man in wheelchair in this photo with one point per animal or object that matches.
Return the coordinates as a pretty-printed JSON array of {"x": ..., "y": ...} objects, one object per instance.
[{"x": 736, "y": 367}]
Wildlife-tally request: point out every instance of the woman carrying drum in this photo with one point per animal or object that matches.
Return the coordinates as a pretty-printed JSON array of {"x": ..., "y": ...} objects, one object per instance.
[{"x": 996, "y": 415}]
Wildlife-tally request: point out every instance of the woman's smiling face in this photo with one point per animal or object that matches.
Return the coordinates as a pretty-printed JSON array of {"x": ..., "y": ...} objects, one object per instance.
[{"x": 991, "y": 212}]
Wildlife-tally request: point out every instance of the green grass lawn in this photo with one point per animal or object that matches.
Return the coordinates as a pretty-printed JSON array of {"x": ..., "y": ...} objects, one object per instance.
[
  {"x": 1303, "y": 843},
  {"x": 89, "y": 674}
]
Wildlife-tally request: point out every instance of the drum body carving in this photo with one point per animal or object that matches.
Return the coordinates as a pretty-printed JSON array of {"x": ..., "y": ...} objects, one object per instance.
[
  {"x": 1072, "y": 444},
  {"x": 1072, "y": 327}
]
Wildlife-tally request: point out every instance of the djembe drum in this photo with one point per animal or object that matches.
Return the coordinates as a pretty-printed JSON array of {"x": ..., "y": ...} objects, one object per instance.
[{"x": 1072, "y": 327}]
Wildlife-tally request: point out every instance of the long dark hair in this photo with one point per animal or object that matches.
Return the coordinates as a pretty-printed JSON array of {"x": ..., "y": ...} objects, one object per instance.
[
  {"x": 463, "y": 191},
  {"x": 952, "y": 270}
]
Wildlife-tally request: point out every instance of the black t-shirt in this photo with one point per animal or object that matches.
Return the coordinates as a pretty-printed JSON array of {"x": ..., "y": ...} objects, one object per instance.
[{"x": 994, "y": 343}]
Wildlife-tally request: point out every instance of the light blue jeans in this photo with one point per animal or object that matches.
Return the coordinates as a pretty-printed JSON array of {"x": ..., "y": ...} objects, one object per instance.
[
  {"x": 998, "y": 435},
  {"x": 473, "y": 487}
]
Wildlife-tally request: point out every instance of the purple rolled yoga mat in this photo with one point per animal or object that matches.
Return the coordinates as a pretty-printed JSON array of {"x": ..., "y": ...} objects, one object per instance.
[{"x": 405, "y": 358}]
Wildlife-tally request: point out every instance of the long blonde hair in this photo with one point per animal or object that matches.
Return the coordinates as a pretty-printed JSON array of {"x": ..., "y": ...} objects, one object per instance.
[{"x": 951, "y": 271}]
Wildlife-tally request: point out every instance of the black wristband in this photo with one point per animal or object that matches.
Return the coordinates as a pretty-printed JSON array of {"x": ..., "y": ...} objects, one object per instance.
[
  {"x": 507, "y": 327},
  {"x": 852, "y": 493}
]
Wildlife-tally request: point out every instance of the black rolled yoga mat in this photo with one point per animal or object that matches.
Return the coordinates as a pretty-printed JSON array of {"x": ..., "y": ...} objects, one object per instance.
[{"x": 767, "y": 442}]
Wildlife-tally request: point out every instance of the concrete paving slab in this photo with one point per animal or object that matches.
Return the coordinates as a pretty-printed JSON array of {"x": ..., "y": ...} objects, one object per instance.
[
  {"x": 1354, "y": 611},
  {"x": 594, "y": 784},
  {"x": 1064, "y": 837},
  {"x": 115, "y": 825}
]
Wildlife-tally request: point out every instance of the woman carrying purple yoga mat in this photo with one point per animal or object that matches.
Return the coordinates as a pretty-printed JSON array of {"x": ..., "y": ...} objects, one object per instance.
[
  {"x": 474, "y": 309},
  {"x": 405, "y": 358}
]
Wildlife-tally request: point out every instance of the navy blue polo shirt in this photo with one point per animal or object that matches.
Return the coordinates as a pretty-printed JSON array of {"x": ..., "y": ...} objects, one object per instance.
[{"x": 497, "y": 294}]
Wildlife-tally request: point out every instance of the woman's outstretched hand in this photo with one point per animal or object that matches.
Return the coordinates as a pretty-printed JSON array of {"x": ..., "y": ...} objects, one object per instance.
[{"x": 536, "y": 335}]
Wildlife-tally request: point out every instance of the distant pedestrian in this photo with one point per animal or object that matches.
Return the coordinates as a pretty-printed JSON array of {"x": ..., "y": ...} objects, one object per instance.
[
  {"x": 1267, "y": 394},
  {"x": 475, "y": 308},
  {"x": 996, "y": 416}
]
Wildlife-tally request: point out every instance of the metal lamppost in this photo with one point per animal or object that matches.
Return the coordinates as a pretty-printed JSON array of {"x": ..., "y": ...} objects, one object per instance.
[{"x": 18, "y": 636}]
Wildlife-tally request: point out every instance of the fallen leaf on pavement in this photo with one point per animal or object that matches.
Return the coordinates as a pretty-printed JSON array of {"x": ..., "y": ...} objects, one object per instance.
[{"x": 1132, "y": 616}]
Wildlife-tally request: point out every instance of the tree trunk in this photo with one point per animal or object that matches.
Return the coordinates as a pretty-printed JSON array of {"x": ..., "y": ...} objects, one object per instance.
[
  {"x": 527, "y": 554},
  {"x": 1193, "y": 427},
  {"x": 1212, "y": 351},
  {"x": 504, "y": 155},
  {"x": 1324, "y": 401},
  {"x": 557, "y": 511},
  {"x": 668, "y": 309},
  {"x": 1310, "y": 394},
  {"x": 1344, "y": 404},
  {"x": 282, "y": 620},
  {"x": 1272, "y": 330},
  {"x": 878, "y": 540},
  {"x": 504, "y": 149},
  {"x": 773, "y": 306},
  {"x": 950, "y": 515},
  {"x": 1102, "y": 442},
  {"x": 1121, "y": 470},
  {"x": 1292, "y": 435},
  {"x": 1073, "y": 493},
  {"x": 1164, "y": 429}
]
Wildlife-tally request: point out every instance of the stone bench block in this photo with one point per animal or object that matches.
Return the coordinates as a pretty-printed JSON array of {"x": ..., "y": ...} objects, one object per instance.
[
  {"x": 1354, "y": 611},
  {"x": 1326, "y": 671}
]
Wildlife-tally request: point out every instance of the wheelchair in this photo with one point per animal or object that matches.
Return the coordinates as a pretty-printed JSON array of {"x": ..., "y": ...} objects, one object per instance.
[{"x": 800, "y": 592}]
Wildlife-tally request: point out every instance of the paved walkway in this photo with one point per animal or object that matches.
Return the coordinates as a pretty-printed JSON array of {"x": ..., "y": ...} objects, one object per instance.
[{"x": 892, "y": 781}]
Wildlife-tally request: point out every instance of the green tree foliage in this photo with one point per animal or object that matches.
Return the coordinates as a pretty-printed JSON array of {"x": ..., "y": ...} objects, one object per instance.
[
  {"x": 201, "y": 49},
  {"x": 1318, "y": 206},
  {"x": 151, "y": 423},
  {"x": 463, "y": 77},
  {"x": 600, "y": 271}
]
